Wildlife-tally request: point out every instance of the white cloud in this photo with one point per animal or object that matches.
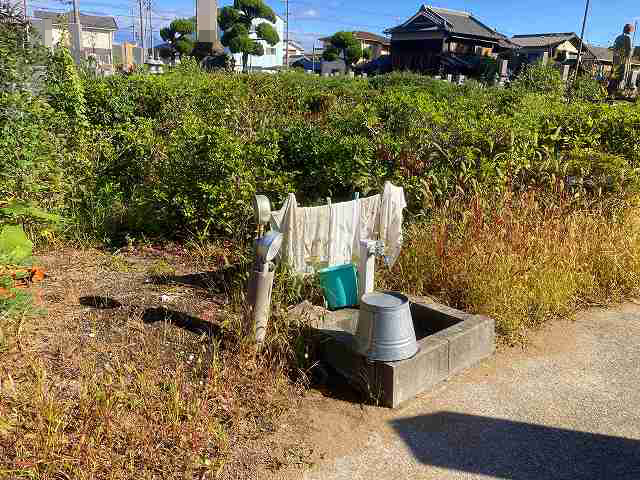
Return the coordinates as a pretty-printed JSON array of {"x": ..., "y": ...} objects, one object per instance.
[{"x": 310, "y": 13}]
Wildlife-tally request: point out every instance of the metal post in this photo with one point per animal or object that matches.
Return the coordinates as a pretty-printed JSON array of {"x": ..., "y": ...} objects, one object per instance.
[
  {"x": 286, "y": 42},
  {"x": 313, "y": 57},
  {"x": 584, "y": 24},
  {"x": 142, "y": 56}
]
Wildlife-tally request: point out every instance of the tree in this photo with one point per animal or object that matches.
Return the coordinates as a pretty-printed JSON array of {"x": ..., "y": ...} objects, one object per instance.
[
  {"x": 367, "y": 53},
  {"x": 236, "y": 23},
  {"x": 345, "y": 46},
  {"x": 178, "y": 35},
  {"x": 20, "y": 52}
]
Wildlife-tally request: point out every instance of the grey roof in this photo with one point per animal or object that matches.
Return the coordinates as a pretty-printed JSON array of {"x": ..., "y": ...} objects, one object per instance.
[
  {"x": 452, "y": 21},
  {"x": 95, "y": 21},
  {"x": 601, "y": 53},
  {"x": 542, "y": 39}
]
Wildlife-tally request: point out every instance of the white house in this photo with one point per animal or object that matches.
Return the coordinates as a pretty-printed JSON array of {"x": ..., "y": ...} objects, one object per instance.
[
  {"x": 97, "y": 33},
  {"x": 273, "y": 56}
]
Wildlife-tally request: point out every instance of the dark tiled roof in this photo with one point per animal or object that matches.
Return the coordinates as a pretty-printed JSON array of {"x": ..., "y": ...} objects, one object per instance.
[
  {"x": 604, "y": 54},
  {"x": 107, "y": 23},
  {"x": 372, "y": 37},
  {"x": 542, "y": 39},
  {"x": 452, "y": 21},
  {"x": 601, "y": 53},
  {"x": 366, "y": 37}
]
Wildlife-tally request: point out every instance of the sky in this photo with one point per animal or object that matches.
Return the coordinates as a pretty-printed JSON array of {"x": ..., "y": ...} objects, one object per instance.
[{"x": 312, "y": 19}]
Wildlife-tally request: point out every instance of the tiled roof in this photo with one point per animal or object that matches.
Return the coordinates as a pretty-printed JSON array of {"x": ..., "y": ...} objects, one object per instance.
[
  {"x": 452, "y": 21},
  {"x": 372, "y": 37},
  {"x": 601, "y": 53},
  {"x": 107, "y": 23},
  {"x": 542, "y": 39},
  {"x": 366, "y": 37}
]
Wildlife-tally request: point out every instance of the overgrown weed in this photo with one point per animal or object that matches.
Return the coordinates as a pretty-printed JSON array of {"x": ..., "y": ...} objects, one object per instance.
[{"x": 521, "y": 259}]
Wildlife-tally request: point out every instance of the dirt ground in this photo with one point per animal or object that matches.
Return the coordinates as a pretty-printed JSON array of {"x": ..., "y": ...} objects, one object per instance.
[
  {"x": 139, "y": 339},
  {"x": 162, "y": 310}
]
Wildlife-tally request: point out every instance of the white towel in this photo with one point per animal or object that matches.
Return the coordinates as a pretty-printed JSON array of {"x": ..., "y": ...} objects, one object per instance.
[
  {"x": 391, "y": 207},
  {"x": 330, "y": 235}
]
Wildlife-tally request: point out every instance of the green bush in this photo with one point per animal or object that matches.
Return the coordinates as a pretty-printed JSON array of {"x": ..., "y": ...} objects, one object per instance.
[
  {"x": 169, "y": 155},
  {"x": 540, "y": 79},
  {"x": 586, "y": 88}
]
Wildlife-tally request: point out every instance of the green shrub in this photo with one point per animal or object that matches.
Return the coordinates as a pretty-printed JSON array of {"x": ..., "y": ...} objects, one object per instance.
[
  {"x": 586, "y": 88},
  {"x": 541, "y": 79}
]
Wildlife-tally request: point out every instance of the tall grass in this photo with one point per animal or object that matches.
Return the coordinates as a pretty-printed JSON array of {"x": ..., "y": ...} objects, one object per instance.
[{"x": 521, "y": 260}]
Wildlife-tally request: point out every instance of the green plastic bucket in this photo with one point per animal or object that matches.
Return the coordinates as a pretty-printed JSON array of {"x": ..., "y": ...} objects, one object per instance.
[{"x": 340, "y": 285}]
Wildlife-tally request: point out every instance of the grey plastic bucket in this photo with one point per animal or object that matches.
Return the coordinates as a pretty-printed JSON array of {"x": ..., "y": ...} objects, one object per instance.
[{"x": 385, "y": 328}]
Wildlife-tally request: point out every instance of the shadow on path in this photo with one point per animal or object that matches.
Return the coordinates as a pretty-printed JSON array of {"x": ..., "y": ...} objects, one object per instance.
[{"x": 518, "y": 451}]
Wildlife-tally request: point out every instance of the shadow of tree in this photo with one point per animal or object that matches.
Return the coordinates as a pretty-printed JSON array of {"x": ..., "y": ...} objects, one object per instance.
[
  {"x": 101, "y": 303},
  {"x": 223, "y": 280},
  {"x": 158, "y": 314},
  {"x": 181, "y": 320}
]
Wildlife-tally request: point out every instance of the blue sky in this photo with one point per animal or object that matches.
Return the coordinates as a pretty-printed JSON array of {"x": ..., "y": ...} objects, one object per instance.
[{"x": 311, "y": 19}]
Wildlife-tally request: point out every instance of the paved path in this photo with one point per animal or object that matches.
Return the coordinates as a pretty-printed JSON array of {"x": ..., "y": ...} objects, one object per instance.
[{"x": 566, "y": 407}]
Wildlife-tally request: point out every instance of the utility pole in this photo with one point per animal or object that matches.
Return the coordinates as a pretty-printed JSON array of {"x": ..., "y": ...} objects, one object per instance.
[
  {"x": 286, "y": 36},
  {"x": 140, "y": 6},
  {"x": 584, "y": 24},
  {"x": 26, "y": 23},
  {"x": 77, "y": 33},
  {"x": 150, "y": 26}
]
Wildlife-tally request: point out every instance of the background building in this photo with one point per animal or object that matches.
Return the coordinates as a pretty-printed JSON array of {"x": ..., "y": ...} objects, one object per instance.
[
  {"x": 97, "y": 33},
  {"x": 273, "y": 57}
]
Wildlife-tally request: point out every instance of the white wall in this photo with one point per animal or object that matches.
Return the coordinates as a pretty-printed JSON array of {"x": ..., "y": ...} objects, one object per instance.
[
  {"x": 90, "y": 38},
  {"x": 273, "y": 56}
]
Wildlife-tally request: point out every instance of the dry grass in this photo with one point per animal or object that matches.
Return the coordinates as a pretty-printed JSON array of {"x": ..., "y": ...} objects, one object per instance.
[
  {"x": 519, "y": 261},
  {"x": 126, "y": 378}
]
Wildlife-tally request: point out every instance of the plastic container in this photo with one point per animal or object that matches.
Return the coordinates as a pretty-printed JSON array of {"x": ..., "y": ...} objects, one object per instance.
[
  {"x": 340, "y": 286},
  {"x": 385, "y": 328}
]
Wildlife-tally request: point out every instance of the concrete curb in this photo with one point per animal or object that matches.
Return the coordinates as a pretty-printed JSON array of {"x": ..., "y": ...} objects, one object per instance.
[{"x": 449, "y": 342}]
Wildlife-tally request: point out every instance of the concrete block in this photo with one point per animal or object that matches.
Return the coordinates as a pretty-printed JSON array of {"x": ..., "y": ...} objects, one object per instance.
[
  {"x": 405, "y": 379},
  {"x": 449, "y": 341},
  {"x": 469, "y": 342}
]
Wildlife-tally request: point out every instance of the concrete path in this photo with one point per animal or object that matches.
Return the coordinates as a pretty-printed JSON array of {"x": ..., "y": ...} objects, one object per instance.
[{"x": 566, "y": 407}]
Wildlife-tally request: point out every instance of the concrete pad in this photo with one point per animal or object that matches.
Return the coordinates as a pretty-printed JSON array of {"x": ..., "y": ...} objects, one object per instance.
[{"x": 564, "y": 406}]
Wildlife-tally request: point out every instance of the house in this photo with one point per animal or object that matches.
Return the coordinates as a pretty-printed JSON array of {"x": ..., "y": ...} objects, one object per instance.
[
  {"x": 97, "y": 33},
  {"x": 308, "y": 62},
  {"x": 273, "y": 57},
  {"x": 438, "y": 38},
  {"x": 557, "y": 46},
  {"x": 601, "y": 59},
  {"x": 294, "y": 49},
  {"x": 376, "y": 45}
]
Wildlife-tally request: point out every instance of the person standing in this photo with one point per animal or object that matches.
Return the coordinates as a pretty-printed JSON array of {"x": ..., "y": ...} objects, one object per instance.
[{"x": 621, "y": 54}]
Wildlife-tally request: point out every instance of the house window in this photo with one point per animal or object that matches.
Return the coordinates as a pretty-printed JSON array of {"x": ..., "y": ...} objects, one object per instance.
[{"x": 271, "y": 51}]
